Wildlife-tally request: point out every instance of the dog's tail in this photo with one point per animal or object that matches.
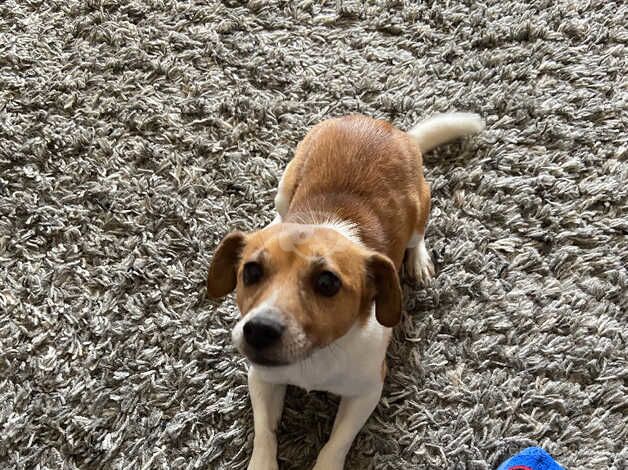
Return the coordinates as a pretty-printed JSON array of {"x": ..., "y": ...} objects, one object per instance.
[{"x": 442, "y": 128}]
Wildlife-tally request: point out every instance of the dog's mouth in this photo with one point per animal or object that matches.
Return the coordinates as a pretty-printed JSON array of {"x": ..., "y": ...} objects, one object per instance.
[
  {"x": 273, "y": 357},
  {"x": 262, "y": 360}
]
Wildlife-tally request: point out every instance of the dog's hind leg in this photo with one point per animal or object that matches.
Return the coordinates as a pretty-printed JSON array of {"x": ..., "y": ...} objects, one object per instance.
[{"x": 418, "y": 264}]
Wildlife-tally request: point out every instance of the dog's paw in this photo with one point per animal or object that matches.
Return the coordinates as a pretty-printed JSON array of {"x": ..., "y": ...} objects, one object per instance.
[
  {"x": 264, "y": 458},
  {"x": 262, "y": 463},
  {"x": 328, "y": 459},
  {"x": 418, "y": 265}
]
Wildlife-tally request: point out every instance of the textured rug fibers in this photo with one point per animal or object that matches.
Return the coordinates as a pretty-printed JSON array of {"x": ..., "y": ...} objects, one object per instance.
[{"x": 135, "y": 134}]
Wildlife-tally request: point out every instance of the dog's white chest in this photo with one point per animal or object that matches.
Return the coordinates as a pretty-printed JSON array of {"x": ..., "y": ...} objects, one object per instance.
[{"x": 346, "y": 367}]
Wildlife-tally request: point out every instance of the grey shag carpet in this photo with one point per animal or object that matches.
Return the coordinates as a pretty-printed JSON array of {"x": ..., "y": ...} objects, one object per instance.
[{"x": 135, "y": 134}]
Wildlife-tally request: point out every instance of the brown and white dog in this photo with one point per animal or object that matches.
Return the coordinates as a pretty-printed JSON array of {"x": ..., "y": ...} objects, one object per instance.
[{"x": 318, "y": 289}]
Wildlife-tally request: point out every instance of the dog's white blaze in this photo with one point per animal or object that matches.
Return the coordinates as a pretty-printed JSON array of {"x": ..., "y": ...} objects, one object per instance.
[{"x": 346, "y": 228}]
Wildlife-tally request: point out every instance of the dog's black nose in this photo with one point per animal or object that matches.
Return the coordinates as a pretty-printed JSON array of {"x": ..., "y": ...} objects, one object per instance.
[{"x": 262, "y": 332}]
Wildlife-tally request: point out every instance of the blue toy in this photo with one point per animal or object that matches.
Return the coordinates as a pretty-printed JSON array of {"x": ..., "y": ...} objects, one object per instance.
[{"x": 532, "y": 458}]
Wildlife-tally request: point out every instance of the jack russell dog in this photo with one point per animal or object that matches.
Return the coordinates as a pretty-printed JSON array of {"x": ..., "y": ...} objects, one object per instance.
[{"x": 318, "y": 289}]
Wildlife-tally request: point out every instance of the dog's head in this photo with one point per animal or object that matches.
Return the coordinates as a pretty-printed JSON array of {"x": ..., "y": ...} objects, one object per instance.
[{"x": 299, "y": 288}]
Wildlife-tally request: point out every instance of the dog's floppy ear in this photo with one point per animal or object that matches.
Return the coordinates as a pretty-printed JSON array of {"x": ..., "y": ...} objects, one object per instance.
[
  {"x": 222, "y": 277},
  {"x": 382, "y": 275}
]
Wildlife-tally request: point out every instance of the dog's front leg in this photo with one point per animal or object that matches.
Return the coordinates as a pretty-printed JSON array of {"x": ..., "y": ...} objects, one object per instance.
[
  {"x": 352, "y": 414},
  {"x": 267, "y": 402}
]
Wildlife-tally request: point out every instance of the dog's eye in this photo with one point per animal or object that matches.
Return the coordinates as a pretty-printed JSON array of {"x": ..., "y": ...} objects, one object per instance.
[
  {"x": 252, "y": 273},
  {"x": 327, "y": 284}
]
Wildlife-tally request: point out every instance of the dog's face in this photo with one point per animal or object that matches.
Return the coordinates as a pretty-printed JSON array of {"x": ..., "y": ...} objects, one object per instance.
[{"x": 299, "y": 288}]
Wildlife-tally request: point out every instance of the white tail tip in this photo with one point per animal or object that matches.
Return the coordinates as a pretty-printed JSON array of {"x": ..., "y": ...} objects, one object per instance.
[{"x": 442, "y": 128}]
